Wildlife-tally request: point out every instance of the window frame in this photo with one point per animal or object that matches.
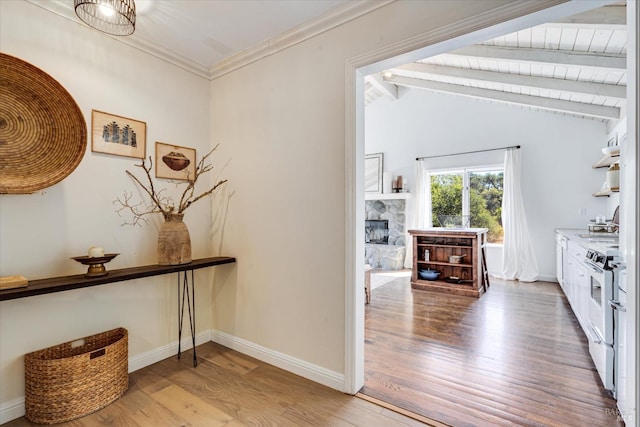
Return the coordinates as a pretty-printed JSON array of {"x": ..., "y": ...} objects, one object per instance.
[{"x": 466, "y": 183}]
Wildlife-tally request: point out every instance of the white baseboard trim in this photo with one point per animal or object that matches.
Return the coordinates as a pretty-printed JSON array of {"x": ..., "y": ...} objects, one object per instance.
[
  {"x": 16, "y": 408},
  {"x": 539, "y": 278},
  {"x": 155, "y": 355},
  {"x": 545, "y": 278},
  {"x": 300, "y": 367},
  {"x": 11, "y": 410}
]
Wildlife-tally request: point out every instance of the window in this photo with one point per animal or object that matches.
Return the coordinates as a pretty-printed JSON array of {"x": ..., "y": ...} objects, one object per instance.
[{"x": 475, "y": 195}]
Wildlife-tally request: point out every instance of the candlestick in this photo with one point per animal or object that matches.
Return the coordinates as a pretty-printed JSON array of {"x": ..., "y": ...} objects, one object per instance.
[{"x": 96, "y": 252}]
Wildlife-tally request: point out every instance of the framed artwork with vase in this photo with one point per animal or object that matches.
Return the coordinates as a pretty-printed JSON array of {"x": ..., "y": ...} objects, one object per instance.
[{"x": 175, "y": 162}]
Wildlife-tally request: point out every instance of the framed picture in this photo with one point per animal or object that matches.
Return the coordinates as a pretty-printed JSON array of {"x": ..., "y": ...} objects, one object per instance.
[
  {"x": 118, "y": 135},
  {"x": 175, "y": 162},
  {"x": 373, "y": 172}
]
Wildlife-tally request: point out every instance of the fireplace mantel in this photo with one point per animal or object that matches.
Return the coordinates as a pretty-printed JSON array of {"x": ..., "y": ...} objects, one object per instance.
[{"x": 387, "y": 196}]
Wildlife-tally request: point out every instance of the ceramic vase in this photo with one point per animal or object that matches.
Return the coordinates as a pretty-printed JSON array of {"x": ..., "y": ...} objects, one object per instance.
[{"x": 174, "y": 242}]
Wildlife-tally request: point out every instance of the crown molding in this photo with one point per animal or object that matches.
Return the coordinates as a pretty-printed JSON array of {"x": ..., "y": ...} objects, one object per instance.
[
  {"x": 341, "y": 15},
  {"x": 351, "y": 10},
  {"x": 65, "y": 10},
  {"x": 171, "y": 57}
]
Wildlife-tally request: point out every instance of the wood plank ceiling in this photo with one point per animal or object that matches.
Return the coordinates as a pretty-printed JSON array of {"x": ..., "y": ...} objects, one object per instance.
[{"x": 575, "y": 67}]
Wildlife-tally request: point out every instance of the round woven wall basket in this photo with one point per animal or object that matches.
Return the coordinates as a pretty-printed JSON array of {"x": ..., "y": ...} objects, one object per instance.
[{"x": 43, "y": 135}]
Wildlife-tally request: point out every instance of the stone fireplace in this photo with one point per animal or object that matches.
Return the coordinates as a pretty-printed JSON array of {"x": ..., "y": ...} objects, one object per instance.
[
  {"x": 385, "y": 242},
  {"x": 376, "y": 231}
]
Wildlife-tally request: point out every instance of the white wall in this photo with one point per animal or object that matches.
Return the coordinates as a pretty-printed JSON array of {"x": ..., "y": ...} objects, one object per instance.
[
  {"x": 285, "y": 118},
  {"x": 40, "y": 232},
  {"x": 281, "y": 123},
  {"x": 557, "y": 154}
]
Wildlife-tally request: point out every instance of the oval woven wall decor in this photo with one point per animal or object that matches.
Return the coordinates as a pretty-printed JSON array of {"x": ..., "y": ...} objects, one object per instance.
[{"x": 43, "y": 134}]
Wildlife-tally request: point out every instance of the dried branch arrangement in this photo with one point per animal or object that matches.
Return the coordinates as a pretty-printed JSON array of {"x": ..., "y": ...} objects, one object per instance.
[{"x": 159, "y": 203}]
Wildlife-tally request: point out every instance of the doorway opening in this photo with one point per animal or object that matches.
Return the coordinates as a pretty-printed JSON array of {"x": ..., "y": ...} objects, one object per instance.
[{"x": 354, "y": 375}]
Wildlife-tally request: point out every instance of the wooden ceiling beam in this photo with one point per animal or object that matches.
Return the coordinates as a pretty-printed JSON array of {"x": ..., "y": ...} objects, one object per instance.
[
  {"x": 415, "y": 69},
  {"x": 388, "y": 90},
  {"x": 564, "y": 57},
  {"x": 608, "y": 16},
  {"x": 558, "y": 105}
]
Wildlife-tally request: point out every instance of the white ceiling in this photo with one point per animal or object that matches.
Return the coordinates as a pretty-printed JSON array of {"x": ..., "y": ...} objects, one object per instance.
[
  {"x": 576, "y": 67},
  {"x": 205, "y": 36}
]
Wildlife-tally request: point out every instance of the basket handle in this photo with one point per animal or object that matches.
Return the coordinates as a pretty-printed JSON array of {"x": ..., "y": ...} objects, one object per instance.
[{"x": 97, "y": 353}]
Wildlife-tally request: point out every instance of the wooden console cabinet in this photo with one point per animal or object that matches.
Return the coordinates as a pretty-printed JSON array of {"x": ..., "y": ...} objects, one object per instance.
[{"x": 469, "y": 277}]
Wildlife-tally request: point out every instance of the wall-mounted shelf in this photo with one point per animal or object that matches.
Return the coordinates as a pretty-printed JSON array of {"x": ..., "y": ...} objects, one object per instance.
[
  {"x": 606, "y": 161},
  {"x": 606, "y": 193},
  {"x": 66, "y": 283},
  {"x": 611, "y": 155}
]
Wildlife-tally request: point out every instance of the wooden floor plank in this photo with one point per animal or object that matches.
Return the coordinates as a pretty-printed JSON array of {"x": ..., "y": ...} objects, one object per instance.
[
  {"x": 232, "y": 390},
  {"x": 515, "y": 356},
  {"x": 189, "y": 406}
]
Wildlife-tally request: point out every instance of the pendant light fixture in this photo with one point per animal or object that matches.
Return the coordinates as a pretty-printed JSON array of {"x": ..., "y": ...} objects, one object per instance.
[{"x": 115, "y": 17}]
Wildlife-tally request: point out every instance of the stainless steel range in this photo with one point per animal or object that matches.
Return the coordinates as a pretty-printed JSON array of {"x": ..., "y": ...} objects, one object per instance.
[{"x": 600, "y": 259}]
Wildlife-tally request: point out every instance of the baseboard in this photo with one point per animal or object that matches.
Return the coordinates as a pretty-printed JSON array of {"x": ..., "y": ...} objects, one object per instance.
[
  {"x": 16, "y": 408},
  {"x": 539, "y": 278},
  {"x": 545, "y": 278},
  {"x": 155, "y": 355},
  {"x": 11, "y": 410},
  {"x": 300, "y": 367}
]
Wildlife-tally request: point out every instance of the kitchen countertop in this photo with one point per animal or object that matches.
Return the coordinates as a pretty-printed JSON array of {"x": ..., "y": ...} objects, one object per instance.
[{"x": 587, "y": 240}]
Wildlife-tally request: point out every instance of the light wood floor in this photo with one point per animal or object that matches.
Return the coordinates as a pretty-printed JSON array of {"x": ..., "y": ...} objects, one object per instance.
[
  {"x": 231, "y": 389},
  {"x": 515, "y": 356}
]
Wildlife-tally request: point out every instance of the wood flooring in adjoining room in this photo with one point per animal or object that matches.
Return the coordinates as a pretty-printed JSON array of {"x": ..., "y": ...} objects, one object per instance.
[
  {"x": 514, "y": 356},
  {"x": 230, "y": 389}
]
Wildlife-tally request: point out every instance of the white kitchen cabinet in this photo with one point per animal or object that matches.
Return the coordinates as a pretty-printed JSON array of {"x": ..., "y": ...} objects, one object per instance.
[
  {"x": 561, "y": 248},
  {"x": 573, "y": 277},
  {"x": 579, "y": 278}
]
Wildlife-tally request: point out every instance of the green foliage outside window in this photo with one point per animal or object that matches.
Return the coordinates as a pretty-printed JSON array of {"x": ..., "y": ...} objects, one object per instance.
[
  {"x": 446, "y": 196},
  {"x": 485, "y": 200}
]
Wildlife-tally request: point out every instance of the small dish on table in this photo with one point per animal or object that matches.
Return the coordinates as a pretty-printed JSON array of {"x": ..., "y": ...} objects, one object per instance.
[{"x": 96, "y": 264}]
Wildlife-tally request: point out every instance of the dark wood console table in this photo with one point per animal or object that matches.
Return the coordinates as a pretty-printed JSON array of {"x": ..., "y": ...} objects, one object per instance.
[{"x": 67, "y": 283}]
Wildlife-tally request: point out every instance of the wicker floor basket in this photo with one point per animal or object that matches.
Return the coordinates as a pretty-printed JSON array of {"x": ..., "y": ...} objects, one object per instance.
[{"x": 76, "y": 378}]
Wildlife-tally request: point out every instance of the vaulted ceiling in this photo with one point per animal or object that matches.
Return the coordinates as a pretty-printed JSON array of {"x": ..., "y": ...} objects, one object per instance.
[{"x": 576, "y": 67}]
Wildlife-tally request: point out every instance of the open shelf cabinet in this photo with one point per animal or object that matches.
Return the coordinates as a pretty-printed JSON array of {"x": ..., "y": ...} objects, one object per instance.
[{"x": 441, "y": 243}]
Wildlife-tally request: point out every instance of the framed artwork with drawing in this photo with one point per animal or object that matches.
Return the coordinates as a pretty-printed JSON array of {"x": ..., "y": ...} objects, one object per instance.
[
  {"x": 118, "y": 135},
  {"x": 373, "y": 164},
  {"x": 175, "y": 162}
]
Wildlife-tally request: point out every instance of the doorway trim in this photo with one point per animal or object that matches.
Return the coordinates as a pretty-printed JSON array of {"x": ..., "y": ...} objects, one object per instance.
[{"x": 508, "y": 18}]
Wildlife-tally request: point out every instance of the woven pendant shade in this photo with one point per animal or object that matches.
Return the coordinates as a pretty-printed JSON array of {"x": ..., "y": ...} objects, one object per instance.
[
  {"x": 43, "y": 134},
  {"x": 119, "y": 21}
]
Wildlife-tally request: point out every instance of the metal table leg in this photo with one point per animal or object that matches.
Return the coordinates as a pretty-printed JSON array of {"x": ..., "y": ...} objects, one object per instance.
[{"x": 190, "y": 298}]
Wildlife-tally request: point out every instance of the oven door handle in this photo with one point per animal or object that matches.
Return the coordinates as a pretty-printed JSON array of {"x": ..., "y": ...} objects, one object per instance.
[
  {"x": 598, "y": 338},
  {"x": 619, "y": 265},
  {"x": 615, "y": 304},
  {"x": 594, "y": 267}
]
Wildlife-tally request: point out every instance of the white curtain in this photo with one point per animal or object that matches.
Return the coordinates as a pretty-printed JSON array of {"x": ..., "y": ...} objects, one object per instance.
[
  {"x": 422, "y": 214},
  {"x": 423, "y": 194},
  {"x": 518, "y": 258}
]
